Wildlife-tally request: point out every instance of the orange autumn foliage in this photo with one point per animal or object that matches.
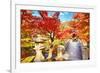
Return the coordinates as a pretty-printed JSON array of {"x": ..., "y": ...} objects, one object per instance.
[{"x": 81, "y": 24}]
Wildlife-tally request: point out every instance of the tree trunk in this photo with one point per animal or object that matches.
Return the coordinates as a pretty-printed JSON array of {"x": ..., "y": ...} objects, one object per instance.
[
  {"x": 52, "y": 39},
  {"x": 51, "y": 47}
]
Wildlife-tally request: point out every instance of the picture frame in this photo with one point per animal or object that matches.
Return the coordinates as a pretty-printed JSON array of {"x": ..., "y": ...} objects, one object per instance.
[{"x": 18, "y": 66}]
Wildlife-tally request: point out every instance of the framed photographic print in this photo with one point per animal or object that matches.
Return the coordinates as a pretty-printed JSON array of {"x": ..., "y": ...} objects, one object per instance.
[{"x": 51, "y": 37}]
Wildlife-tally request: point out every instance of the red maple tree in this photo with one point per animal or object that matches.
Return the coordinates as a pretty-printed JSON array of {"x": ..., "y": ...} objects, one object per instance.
[
  {"x": 44, "y": 24},
  {"x": 48, "y": 24}
]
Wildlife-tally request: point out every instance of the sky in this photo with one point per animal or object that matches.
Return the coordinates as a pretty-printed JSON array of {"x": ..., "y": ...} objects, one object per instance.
[{"x": 64, "y": 16}]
